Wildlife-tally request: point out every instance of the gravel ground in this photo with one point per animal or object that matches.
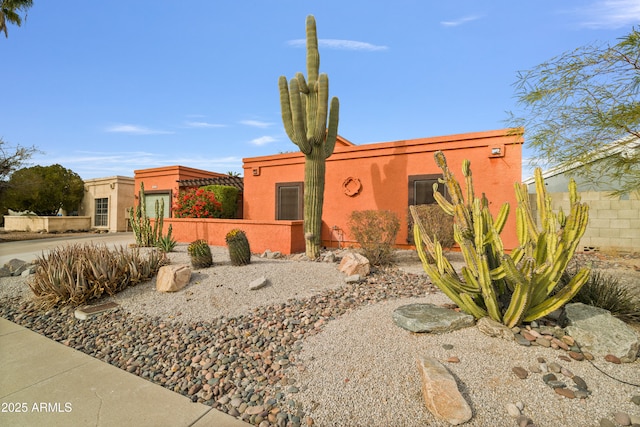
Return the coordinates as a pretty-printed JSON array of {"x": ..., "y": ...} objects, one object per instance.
[{"x": 311, "y": 350}]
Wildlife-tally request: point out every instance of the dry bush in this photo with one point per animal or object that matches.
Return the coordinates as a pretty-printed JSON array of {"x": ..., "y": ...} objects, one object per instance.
[
  {"x": 438, "y": 224},
  {"x": 375, "y": 232}
]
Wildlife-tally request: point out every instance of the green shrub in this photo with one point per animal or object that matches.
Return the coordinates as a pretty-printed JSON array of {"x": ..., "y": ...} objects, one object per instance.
[
  {"x": 200, "y": 253},
  {"x": 437, "y": 223},
  {"x": 375, "y": 232},
  {"x": 605, "y": 291},
  {"x": 239, "y": 250},
  {"x": 227, "y": 196},
  {"x": 75, "y": 274}
]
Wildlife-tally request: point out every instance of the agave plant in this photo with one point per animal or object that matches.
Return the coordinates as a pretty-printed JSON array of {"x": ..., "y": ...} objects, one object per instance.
[
  {"x": 75, "y": 274},
  {"x": 510, "y": 288}
]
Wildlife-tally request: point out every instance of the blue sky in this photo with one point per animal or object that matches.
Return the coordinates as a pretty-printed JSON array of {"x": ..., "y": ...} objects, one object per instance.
[{"x": 106, "y": 88}]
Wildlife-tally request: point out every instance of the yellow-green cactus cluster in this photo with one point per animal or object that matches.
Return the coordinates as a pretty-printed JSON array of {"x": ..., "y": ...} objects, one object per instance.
[{"x": 510, "y": 288}]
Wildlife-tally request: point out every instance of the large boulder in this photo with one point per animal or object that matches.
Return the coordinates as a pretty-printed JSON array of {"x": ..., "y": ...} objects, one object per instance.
[
  {"x": 597, "y": 331},
  {"x": 354, "y": 263},
  {"x": 430, "y": 318},
  {"x": 441, "y": 394},
  {"x": 172, "y": 278}
]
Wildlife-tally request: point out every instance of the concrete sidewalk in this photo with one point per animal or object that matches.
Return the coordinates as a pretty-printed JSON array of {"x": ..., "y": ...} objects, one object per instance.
[{"x": 44, "y": 383}]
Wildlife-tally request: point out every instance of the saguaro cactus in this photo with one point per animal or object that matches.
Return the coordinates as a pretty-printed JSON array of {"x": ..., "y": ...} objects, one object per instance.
[
  {"x": 304, "y": 105},
  {"x": 509, "y": 288}
]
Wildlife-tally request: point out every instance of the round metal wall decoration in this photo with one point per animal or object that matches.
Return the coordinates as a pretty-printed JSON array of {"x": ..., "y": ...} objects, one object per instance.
[{"x": 351, "y": 186}]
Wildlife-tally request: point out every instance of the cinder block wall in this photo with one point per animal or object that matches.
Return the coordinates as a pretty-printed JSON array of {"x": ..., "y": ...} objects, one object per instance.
[{"x": 614, "y": 223}]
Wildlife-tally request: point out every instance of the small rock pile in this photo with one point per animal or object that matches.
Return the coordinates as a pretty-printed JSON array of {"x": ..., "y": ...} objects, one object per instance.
[{"x": 17, "y": 267}]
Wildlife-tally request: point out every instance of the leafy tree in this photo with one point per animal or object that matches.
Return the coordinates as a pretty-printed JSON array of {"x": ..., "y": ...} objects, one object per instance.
[
  {"x": 10, "y": 12},
  {"x": 580, "y": 101},
  {"x": 44, "y": 190}
]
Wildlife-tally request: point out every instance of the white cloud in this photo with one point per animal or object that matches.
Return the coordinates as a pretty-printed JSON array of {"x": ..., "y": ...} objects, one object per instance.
[
  {"x": 135, "y": 130},
  {"x": 97, "y": 164},
  {"x": 460, "y": 21},
  {"x": 340, "y": 44},
  {"x": 203, "y": 125},
  {"x": 256, "y": 123},
  {"x": 263, "y": 140},
  {"x": 609, "y": 14}
]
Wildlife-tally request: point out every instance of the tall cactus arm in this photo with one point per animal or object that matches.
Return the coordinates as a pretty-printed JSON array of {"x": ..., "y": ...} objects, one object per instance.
[
  {"x": 488, "y": 290},
  {"x": 297, "y": 113},
  {"x": 558, "y": 300},
  {"x": 332, "y": 129},
  {"x": 501, "y": 219},
  {"x": 541, "y": 195},
  {"x": 285, "y": 107},
  {"x": 313, "y": 55},
  {"x": 466, "y": 171},
  {"x": 302, "y": 83},
  {"x": 319, "y": 126},
  {"x": 468, "y": 305},
  {"x": 444, "y": 204},
  {"x": 517, "y": 306}
]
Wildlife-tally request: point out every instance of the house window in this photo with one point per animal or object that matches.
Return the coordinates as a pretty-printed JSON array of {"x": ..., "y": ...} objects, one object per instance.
[
  {"x": 421, "y": 193},
  {"x": 150, "y": 200},
  {"x": 289, "y": 200},
  {"x": 102, "y": 212},
  {"x": 421, "y": 189}
]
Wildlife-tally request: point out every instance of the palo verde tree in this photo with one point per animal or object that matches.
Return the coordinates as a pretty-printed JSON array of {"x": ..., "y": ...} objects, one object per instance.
[
  {"x": 579, "y": 101},
  {"x": 10, "y": 13},
  {"x": 44, "y": 190},
  {"x": 305, "y": 108}
]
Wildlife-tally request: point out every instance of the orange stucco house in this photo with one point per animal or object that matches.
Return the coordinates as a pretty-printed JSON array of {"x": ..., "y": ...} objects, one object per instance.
[
  {"x": 380, "y": 176},
  {"x": 384, "y": 176}
]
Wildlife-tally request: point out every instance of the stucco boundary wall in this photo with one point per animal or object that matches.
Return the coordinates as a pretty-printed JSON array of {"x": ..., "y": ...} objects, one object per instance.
[
  {"x": 614, "y": 223},
  {"x": 47, "y": 223},
  {"x": 286, "y": 237}
]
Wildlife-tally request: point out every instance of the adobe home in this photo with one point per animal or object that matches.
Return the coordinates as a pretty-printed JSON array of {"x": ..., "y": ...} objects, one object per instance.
[{"x": 381, "y": 176}]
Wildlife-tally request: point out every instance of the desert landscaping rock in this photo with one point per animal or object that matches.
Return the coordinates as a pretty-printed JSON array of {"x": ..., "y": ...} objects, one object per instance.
[
  {"x": 492, "y": 328},
  {"x": 258, "y": 283},
  {"x": 520, "y": 372},
  {"x": 172, "y": 278},
  {"x": 600, "y": 333},
  {"x": 441, "y": 394},
  {"x": 354, "y": 263},
  {"x": 349, "y": 361},
  {"x": 430, "y": 318}
]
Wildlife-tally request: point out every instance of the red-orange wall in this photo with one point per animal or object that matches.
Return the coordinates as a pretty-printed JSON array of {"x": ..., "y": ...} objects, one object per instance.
[
  {"x": 383, "y": 169},
  {"x": 165, "y": 179}
]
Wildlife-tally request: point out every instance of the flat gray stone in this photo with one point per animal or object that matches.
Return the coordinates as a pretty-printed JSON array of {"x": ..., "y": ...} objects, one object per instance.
[
  {"x": 259, "y": 283},
  {"x": 600, "y": 333},
  {"x": 83, "y": 313},
  {"x": 354, "y": 278},
  {"x": 430, "y": 318}
]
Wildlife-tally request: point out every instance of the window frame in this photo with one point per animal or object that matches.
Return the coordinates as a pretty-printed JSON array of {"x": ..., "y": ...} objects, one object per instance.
[
  {"x": 412, "y": 179},
  {"x": 300, "y": 187},
  {"x": 98, "y": 212}
]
